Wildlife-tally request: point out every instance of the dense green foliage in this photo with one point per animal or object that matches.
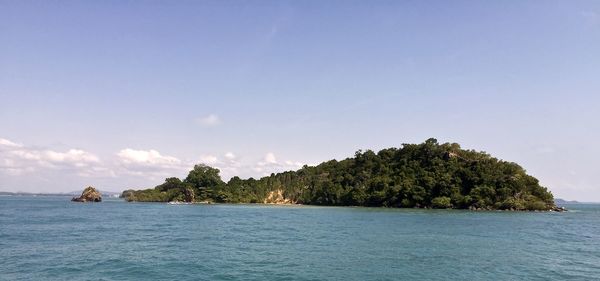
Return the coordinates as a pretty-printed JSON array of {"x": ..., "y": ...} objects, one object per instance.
[{"x": 427, "y": 175}]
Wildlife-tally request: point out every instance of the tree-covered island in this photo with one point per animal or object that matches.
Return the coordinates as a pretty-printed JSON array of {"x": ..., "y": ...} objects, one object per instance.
[{"x": 426, "y": 175}]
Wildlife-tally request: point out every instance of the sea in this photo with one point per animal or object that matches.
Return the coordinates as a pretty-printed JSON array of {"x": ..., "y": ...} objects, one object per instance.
[{"x": 51, "y": 238}]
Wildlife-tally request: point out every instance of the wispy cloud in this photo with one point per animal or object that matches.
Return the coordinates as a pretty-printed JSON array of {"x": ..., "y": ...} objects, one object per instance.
[
  {"x": 269, "y": 165},
  {"x": 591, "y": 17},
  {"x": 210, "y": 120},
  {"x": 230, "y": 155},
  {"x": 209, "y": 159}
]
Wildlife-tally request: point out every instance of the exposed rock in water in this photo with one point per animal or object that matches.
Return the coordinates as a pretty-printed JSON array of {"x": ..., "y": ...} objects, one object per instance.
[
  {"x": 276, "y": 197},
  {"x": 89, "y": 194}
]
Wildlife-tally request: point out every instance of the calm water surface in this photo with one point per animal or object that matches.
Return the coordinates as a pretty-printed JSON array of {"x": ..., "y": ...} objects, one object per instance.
[{"x": 50, "y": 238}]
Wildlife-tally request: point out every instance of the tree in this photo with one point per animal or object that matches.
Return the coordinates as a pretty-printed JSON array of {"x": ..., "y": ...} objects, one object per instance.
[
  {"x": 203, "y": 176},
  {"x": 170, "y": 183},
  {"x": 429, "y": 174},
  {"x": 441, "y": 202}
]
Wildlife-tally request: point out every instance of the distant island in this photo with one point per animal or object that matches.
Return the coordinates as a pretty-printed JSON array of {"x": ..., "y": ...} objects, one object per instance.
[
  {"x": 426, "y": 175},
  {"x": 559, "y": 201}
]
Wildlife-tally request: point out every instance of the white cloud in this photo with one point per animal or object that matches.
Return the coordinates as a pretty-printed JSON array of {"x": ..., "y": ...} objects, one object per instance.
[
  {"x": 231, "y": 165},
  {"x": 270, "y": 158},
  {"x": 209, "y": 121},
  {"x": 41, "y": 165},
  {"x": 39, "y": 168},
  {"x": 13, "y": 167},
  {"x": 7, "y": 143},
  {"x": 146, "y": 157},
  {"x": 76, "y": 156},
  {"x": 228, "y": 165},
  {"x": 293, "y": 164},
  {"x": 18, "y": 159},
  {"x": 208, "y": 159},
  {"x": 149, "y": 164},
  {"x": 25, "y": 154},
  {"x": 271, "y": 165}
]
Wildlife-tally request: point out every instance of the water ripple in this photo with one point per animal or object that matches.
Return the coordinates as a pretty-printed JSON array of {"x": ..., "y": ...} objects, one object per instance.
[{"x": 46, "y": 238}]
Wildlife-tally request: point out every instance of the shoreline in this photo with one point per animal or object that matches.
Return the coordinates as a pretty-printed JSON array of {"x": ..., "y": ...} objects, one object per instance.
[{"x": 557, "y": 209}]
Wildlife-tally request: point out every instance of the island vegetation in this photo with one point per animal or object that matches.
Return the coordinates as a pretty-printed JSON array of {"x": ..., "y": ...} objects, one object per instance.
[{"x": 426, "y": 175}]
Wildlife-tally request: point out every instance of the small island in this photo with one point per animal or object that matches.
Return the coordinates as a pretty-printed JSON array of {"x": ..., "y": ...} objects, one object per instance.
[
  {"x": 89, "y": 194},
  {"x": 426, "y": 175}
]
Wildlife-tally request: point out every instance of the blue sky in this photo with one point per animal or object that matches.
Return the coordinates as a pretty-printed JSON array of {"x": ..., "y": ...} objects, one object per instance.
[{"x": 121, "y": 94}]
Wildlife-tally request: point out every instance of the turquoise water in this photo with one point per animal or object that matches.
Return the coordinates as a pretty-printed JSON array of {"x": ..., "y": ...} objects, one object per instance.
[{"x": 50, "y": 238}]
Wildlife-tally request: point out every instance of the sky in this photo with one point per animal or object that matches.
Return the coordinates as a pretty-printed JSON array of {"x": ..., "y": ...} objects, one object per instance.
[{"x": 122, "y": 94}]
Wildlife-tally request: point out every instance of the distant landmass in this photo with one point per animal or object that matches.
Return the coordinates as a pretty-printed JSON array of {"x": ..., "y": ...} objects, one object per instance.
[
  {"x": 559, "y": 201},
  {"x": 426, "y": 175}
]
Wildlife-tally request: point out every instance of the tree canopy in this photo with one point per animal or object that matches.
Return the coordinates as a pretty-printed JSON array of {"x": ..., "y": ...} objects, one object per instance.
[{"x": 426, "y": 175}]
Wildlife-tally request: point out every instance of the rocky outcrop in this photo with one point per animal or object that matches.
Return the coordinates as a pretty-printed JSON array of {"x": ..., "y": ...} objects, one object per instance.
[{"x": 89, "y": 194}]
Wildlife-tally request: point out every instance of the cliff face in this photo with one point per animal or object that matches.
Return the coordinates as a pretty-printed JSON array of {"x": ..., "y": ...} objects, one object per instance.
[
  {"x": 276, "y": 197},
  {"x": 89, "y": 194}
]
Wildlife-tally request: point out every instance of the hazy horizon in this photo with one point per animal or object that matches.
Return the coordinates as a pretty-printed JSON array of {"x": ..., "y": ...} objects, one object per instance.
[{"x": 121, "y": 95}]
